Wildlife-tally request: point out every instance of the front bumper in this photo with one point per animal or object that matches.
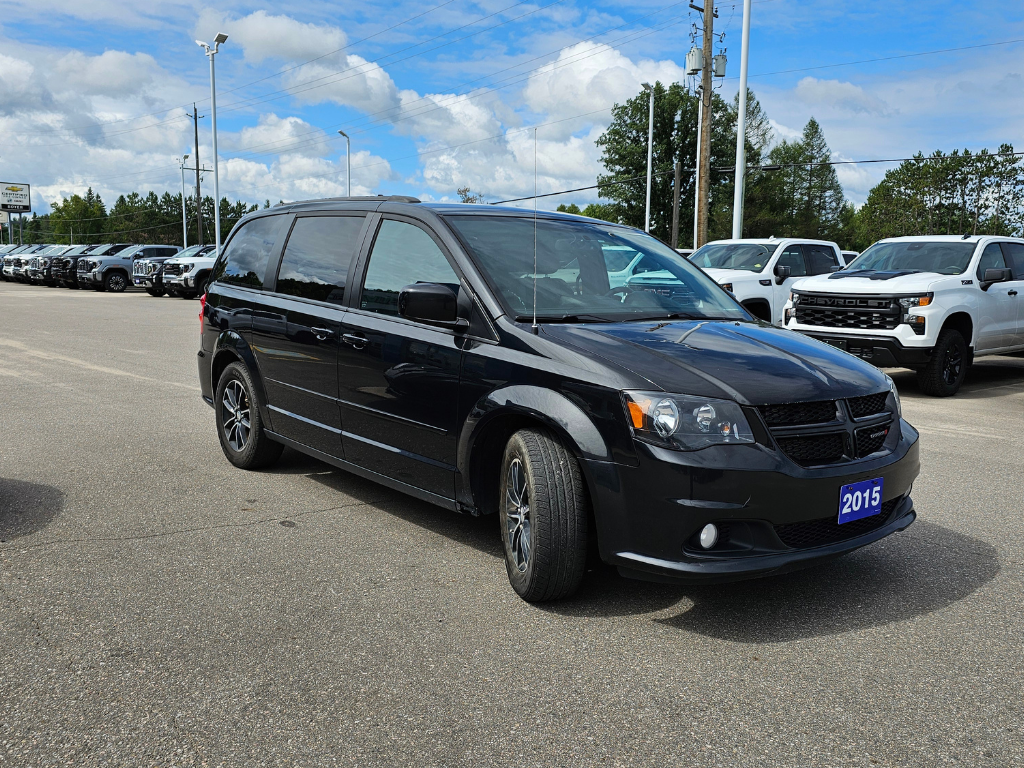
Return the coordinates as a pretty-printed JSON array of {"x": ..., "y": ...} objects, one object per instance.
[
  {"x": 881, "y": 351},
  {"x": 144, "y": 282},
  {"x": 648, "y": 516},
  {"x": 89, "y": 278},
  {"x": 179, "y": 282}
]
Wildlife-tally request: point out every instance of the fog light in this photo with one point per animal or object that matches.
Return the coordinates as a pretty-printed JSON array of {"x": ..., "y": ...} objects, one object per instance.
[{"x": 708, "y": 536}]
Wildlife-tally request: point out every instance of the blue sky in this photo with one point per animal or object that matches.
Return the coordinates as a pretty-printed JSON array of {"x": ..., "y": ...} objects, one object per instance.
[{"x": 439, "y": 95}]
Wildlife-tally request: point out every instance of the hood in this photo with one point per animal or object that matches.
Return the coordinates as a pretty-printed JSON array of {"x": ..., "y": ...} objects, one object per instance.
[
  {"x": 734, "y": 275},
  {"x": 878, "y": 282},
  {"x": 751, "y": 363}
]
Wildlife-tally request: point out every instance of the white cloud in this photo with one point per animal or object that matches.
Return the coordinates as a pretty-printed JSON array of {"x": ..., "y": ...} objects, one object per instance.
[
  {"x": 279, "y": 135},
  {"x": 840, "y": 96},
  {"x": 262, "y": 36},
  {"x": 353, "y": 82},
  {"x": 113, "y": 73}
]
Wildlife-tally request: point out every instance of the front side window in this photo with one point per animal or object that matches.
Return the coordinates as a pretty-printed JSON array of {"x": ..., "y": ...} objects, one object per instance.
[
  {"x": 991, "y": 258},
  {"x": 793, "y": 258},
  {"x": 403, "y": 254},
  {"x": 941, "y": 256},
  {"x": 245, "y": 259},
  {"x": 572, "y": 278},
  {"x": 316, "y": 260},
  {"x": 747, "y": 256}
]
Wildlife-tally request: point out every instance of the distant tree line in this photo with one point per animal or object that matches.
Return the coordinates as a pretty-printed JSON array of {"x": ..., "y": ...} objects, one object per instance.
[
  {"x": 134, "y": 218},
  {"x": 795, "y": 191}
]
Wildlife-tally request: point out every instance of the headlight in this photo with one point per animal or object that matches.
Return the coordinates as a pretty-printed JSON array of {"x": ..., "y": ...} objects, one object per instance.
[
  {"x": 186, "y": 268},
  {"x": 685, "y": 422},
  {"x": 916, "y": 301},
  {"x": 895, "y": 394},
  {"x": 727, "y": 286}
]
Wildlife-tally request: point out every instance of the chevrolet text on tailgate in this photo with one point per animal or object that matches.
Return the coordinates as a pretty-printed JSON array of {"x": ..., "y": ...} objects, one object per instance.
[
  {"x": 931, "y": 303},
  {"x": 493, "y": 363}
]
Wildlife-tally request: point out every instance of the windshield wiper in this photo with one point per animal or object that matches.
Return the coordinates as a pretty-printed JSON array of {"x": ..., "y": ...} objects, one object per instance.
[
  {"x": 668, "y": 316},
  {"x": 564, "y": 319}
]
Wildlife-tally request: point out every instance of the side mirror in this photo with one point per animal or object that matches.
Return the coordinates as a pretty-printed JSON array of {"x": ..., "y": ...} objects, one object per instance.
[
  {"x": 431, "y": 303},
  {"x": 835, "y": 268},
  {"x": 993, "y": 276},
  {"x": 781, "y": 273}
]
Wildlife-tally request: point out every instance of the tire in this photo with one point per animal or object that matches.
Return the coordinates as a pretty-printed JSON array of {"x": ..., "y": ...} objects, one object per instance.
[
  {"x": 187, "y": 295},
  {"x": 543, "y": 513},
  {"x": 154, "y": 292},
  {"x": 201, "y": 287},
  {"x": 172, "y": 294},
  {"x": 115, "y": 282},
  {"x": 946, "y": 369},
  {"x": 243, "y": 439}
]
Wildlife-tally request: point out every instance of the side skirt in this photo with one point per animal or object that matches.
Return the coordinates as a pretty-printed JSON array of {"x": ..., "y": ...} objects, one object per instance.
[{"x": 355, "y": 469}]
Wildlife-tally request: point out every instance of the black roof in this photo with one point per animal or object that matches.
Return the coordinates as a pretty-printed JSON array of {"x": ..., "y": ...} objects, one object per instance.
[{"x": 398, "y": 201}]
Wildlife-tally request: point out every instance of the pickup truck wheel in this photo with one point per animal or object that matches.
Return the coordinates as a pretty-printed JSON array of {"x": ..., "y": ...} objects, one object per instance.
[
  {"x": 543, "y": 512},
  {"x": 239, "y": 425},
  {"x": 945, "y": 371},
  {"x": 154, "y": 292},
  {"x": 115, "y": 282}
]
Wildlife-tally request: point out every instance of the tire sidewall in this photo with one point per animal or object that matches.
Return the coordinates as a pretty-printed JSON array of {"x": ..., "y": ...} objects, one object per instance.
[
  {"x": 951, "y": 339},
  {"x": 245, "y": 457},
  {"x": 109, "y": 280},
  {"x": 516, "y": 449}
]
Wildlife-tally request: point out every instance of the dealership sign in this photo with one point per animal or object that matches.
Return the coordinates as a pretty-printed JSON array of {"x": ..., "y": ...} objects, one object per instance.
[{"x": 15, "y": 197}]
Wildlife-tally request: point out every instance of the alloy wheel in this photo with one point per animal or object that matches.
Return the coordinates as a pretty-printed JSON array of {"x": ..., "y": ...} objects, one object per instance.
[
  {"x": 952, "y": 364},
  {"x": 235, "y": 405},
  {"x": 517, "y": 514},
  {"x": 116, "y": 283}
]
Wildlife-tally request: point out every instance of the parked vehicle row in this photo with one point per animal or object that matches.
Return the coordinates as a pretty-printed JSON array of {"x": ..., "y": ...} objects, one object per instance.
[{"x": 111, "y": 267}]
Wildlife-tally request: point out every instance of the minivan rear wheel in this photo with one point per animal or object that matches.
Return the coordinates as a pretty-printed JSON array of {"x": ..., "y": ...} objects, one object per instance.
[
  {"x": 239, "y": 426},
  {"x": 543, "y": 512}
]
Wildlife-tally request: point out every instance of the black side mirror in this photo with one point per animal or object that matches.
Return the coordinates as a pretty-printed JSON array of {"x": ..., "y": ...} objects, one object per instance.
[
  {"x": 834, "y": 268},
  {"x": 781, "y": 273},
  {"x": 993, "y": 276},
  {"x": 431, "y": 303}
]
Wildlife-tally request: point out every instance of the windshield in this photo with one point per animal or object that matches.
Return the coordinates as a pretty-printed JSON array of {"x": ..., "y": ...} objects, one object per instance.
[
  {"x": 583, "y": 274},
  {"x": 192, "y": 250},
  {"x": 747, "y": 256},
  {"x": 943, "y": 257}
]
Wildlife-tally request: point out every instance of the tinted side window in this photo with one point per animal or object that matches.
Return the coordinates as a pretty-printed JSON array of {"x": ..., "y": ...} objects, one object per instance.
[
  {"x": 316, "y": 259},
  {"x": 820, "y": 259},
  {"x": 992, "y": 258},
  {"x": 245, "y": 259},
  {"x": 1014, "y": 253},
  {"x": 794, "y": 259},
  {"x": 402, "y": 254}
]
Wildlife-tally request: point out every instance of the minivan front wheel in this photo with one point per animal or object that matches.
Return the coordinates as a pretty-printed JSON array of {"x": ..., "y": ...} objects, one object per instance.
[
  {"x": 543, "y": 511},
  {"x": 239, "y": 426}
]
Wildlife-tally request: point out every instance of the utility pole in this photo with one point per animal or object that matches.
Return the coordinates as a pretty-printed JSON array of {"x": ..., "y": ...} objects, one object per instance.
[
  {"x": 698, "y": 174},
  {"x": 675, "y": 204},
  {"x": 650, "y": 155},
  {"x": 199, "y": 196},
  {"x": 741, "y": 130},
  {"x": 704, "y": 189}
]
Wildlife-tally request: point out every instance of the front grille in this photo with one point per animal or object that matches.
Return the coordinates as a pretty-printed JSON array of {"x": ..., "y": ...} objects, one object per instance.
[
  {"x": 868, "y": 405},
  {"x": 172, "y": 270},
  {"x": 839, "y": 311},
  {"x": 83, "y": 265},
  {"x": 812, "y": 450},
  {"x": 788, "y": 414},
  {"x": 870, "y": 439},
  {"x": 827, "y": 530}
]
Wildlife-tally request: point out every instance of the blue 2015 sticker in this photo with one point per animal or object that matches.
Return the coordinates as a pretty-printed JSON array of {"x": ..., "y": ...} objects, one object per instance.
[{"x": 858, "y": 500}]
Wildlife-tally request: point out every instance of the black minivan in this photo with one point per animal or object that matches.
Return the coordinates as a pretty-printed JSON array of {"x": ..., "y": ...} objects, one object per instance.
[{"x": 494, "y": 360}]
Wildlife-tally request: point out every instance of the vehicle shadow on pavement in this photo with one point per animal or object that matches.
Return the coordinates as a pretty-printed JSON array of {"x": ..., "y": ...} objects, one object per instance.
[
  {"x": 26, "y": 508},
  {"x": 986, "y": 378},
  {"x": 918, "y": 572}
]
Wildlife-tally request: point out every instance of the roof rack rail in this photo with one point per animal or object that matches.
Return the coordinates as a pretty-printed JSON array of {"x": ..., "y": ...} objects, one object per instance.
[{"x": 359, "y": 199}]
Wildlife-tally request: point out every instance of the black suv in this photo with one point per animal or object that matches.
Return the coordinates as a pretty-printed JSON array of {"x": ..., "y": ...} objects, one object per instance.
[{"x": 486, "y": 360}]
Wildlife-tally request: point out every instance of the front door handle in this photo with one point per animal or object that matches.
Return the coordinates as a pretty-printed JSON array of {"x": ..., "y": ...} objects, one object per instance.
[
  {"x": 1011, "y": 293},
  {"x": 321, "y": 333},
  {"x": 354, "y": 340}
]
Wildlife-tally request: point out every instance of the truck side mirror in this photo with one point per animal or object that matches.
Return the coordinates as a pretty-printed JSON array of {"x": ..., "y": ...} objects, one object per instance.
[
  {"x": 781, "y": 273},
  {"x": 993, "y": 276}
]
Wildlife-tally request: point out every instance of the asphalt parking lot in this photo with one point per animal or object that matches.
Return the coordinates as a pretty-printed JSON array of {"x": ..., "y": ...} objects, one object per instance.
[{"x": 162, "y": 608}]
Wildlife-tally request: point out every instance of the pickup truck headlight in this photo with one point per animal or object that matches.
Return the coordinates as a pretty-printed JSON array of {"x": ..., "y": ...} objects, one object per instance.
[
  {"x": 916, "y": 301},
  {"x": 685, "y": 422},
  {"x": 186, "y": 268},
  {"x": 727, "y": 286}
]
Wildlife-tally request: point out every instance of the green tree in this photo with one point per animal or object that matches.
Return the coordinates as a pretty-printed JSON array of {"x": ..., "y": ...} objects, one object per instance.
[
  {"x": 570, "y": 208},
  {"x": 78, "y": 219}
]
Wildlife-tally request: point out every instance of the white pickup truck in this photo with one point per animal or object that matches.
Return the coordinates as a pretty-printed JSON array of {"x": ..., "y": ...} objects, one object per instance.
[
  {"x": 931, "y": 303},
  {"x": 761, "y": 272}
]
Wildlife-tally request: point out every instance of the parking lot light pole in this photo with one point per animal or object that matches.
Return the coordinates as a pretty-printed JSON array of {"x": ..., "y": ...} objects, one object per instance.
[
  {"x": 741, "y": 132},
  {"x": 348, "y": 162},
  {"x": 184, "y": 218},
  {"x": 650, "y": 156},
  {"x": 210, "y": 53}
]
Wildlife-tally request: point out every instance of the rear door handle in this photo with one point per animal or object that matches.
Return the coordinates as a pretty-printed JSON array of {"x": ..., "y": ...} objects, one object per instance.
[
  {"x": 321, "y": 333},
  {"x": 354, "y": 341}
]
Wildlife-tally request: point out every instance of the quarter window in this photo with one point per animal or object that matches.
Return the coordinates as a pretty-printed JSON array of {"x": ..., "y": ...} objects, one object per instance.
[
  {"x": 245, "y": 259},
  {"x": 317, "y": 257},
  {"x": 402, "y": 254}
]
